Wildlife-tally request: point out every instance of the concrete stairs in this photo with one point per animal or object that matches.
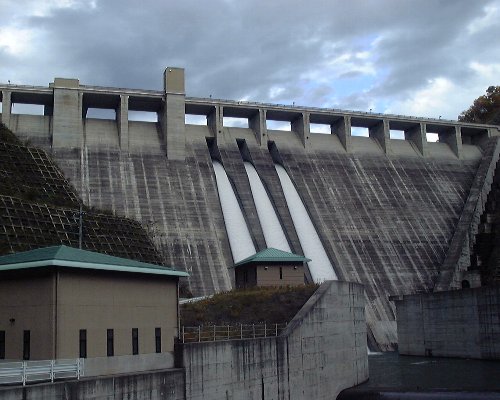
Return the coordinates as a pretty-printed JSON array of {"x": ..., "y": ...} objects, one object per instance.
[{"x": 485, "y": 257}]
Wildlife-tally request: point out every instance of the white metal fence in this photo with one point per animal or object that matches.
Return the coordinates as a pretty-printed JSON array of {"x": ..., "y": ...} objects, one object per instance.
[
  {"x": 227, "y": 332},
  {"x": 36, "y": 371}
]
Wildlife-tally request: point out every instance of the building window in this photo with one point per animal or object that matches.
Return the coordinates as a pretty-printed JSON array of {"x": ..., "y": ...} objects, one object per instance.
[
  {"x": 281, "y": 272},
  {"x": 110, "y": 345},
  {"x": 26, "y": 345},
  {"x": 2, "y": 345},
  {"x": 158, "y": 340},
  {"x": 83, "y": 343},
  {"x": 135, "y": 341}
]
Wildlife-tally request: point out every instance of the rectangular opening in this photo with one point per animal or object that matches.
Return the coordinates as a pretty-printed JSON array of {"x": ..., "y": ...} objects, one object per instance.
[
  {"x": 144, "y": 116},
  {"x": 321, "y": 128},
  {"x": 432, "y": 137},
  {"x": 2, "y": 345},
  {"x": 30, "y": 109},
  {"x": 233, "y": 122},
  {"x": 191, "y": 119},
  {"x": 110, "y": 344},
  {"x": 158, "y": 340},
  {"x": 359, "y": 131},
  {"x": 83, "y": 343},
  {"x": 135, "y": 341},
  {"x": 101, "y": 113},
  {"x": 281, "y": 272},
  {"x": 397, "y": 134},
  {"x": 279, "y": 125},
  {"x": 26, "y": 345}
]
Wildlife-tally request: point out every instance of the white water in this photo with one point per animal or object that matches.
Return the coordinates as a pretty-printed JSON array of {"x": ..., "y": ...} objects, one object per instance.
[
  {"x": 271, "y": 227},
  {"x": 320, "y": 267},
  {"x": 237, "y": 231}
]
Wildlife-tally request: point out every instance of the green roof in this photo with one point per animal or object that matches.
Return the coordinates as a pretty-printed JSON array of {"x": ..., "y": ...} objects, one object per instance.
[
  {"x": 65, "y": 256},
  {"x": 272, "y": 255}
]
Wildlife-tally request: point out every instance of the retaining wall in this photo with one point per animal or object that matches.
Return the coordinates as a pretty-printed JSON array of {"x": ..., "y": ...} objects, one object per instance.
[
  {"x": 459, "y": 323},
  {"x": 321, "y": 352},
  {"x": 164, "y": 385}
]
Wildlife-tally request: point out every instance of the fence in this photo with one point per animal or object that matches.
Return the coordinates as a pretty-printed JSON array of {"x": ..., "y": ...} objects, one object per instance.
[
  {"x": 228, "y": 332},
  {"x": 36, "y": 371}
]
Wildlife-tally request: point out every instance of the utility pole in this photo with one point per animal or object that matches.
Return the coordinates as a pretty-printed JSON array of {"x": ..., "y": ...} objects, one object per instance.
[{"x": 81, "y": 213}]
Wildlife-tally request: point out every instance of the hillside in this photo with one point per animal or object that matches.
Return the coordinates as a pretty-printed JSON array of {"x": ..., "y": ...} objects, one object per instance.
[
  {"x": 272, "y": 305},
  {"x": 38, "y": 207}
]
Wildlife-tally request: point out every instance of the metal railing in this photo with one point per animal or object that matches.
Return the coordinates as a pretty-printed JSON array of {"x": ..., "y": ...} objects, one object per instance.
[
  {"x": 36, "y": 371},
  {"x": 190, "y": 334}
]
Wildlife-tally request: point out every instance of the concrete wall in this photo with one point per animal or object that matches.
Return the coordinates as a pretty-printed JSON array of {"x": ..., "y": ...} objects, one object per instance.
[
  {"x": 322, "y": 351},
  {"x": 56, "y": 305},
  {"x": 461, "y": 323},
  {"x": 157, "y": 385},
  {"x": 269, "y": 275},
  {"x": 100, "y": 301},
  {"x": 27, "y": 303},
  {"x": 100, "y": 366},
  {"x": 458, "y": 257},
  {"x": 291, "y": 275}
]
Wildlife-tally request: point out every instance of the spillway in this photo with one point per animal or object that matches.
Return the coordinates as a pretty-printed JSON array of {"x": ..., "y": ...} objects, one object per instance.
[
  {"x": 237, "y": 231},
  {"x": 271, "y": 226},
  {"x": 320, "y": 267}
]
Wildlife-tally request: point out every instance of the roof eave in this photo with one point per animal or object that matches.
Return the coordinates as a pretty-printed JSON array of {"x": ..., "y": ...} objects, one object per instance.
[{"x": 96, "y": 266}]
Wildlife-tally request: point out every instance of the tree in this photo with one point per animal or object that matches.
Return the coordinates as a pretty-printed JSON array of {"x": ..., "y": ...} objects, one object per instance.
[{"x": 485, "y": 109}]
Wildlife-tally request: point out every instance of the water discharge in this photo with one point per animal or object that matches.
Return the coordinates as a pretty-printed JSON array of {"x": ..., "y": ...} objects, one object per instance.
[
  {"x": 271, "y": 227},
  {"x": 320, "y": 267},
  {"x": 237, "y": 231}
]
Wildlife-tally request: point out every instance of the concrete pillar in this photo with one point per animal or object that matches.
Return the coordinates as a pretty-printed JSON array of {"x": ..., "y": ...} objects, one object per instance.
[
  {"x": 382, "y": 134},
  {"x": 302, "y": 127},
  {"x": 215, "y": 121},
  {"x": 418, "y": 136},
  {"x": 6, "y": 107},
  {"x": 67, "y": 127},
  {"x": 173, "y": 114},
  {"x": 122, "y": 121},
  {"x": 48, "y": 110},
  {"x": 342, "y": 128},
  {"x": 453, "y": 138},
  {"x": 258, "y": 124}
]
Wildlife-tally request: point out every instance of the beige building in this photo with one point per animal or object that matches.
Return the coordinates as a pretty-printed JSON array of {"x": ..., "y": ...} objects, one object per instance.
[
  {"x": 61, "y": 302},
  {"x": 270, "y": 267}
]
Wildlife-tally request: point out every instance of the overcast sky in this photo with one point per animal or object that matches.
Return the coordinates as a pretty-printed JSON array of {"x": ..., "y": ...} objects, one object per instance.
[{"x": 419, "y": 57}]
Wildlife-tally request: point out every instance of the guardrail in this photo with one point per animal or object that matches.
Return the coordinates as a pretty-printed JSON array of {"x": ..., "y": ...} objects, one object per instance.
[
  {"x": 36, "y": 371},
  {"x": 190, "y": 334}
]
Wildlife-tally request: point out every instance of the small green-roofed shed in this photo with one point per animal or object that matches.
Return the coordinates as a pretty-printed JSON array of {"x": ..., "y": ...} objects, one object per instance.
[
  {"x": 270, "y": 267},
  {"x": 60, "y": 302}
]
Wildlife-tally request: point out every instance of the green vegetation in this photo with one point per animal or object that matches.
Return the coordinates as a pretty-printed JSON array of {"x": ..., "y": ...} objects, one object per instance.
[
  {"x": 27, "y": 173},
  {"x": 485, "y": 109},
  {"x": 246, "y": 306},
  {"x": 39, "y": 207}
]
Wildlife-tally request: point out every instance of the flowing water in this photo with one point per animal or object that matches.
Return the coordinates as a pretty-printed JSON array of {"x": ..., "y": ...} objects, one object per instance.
[
  {"x": 320, "y": 267},
  {"x": 271, "y": 227},
  {"x": 237, "y": 231}
]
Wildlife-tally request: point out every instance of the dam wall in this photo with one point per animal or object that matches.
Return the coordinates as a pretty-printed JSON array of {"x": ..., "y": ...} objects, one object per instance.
[
  {"x": 459, "y": 323},
  {"x": 385, "y": 209}
]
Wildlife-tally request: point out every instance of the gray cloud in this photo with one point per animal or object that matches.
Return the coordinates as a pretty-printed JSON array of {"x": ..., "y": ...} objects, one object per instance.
[{"x": 234, "y": 49}]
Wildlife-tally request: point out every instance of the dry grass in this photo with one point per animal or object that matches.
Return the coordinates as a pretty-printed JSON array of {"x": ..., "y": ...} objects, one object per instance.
[{"x": 246, "y": 306}]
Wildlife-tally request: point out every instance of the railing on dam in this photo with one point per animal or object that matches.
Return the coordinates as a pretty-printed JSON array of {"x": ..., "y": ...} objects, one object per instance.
[
  {"x": 194, "y": 334},
  {"x": 24, "y": 372}
]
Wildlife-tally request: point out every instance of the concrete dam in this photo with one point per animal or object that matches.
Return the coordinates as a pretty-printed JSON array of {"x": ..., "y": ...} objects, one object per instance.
[{"x": 398, "y": 216}]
